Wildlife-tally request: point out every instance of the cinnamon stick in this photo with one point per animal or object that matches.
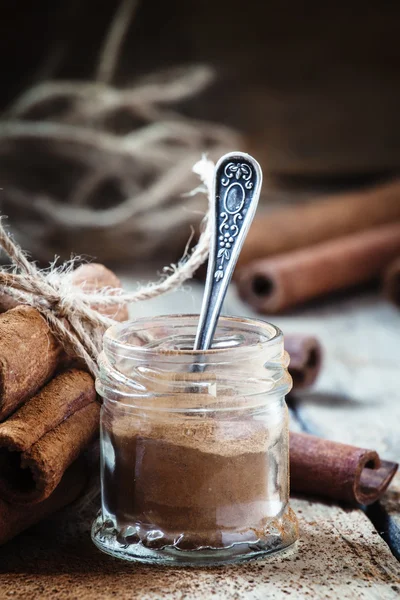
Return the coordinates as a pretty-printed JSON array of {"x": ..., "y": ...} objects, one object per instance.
[
  {"x": 276, "y": 284},
  {"x": 90, "y": 277},
  {"x": 391, "y": 282},
  {"x": 41, "y": 440},
  {"x": 337, "y": 471},
  {"x": 305, "y": 353},
  {"x": 29, "y": 353},
  {"x": 7, "y": 302},
  {"x": 14, "y": 518},
  {"x": 302, "y": 225},
  {"x": 93, "y": 277}
]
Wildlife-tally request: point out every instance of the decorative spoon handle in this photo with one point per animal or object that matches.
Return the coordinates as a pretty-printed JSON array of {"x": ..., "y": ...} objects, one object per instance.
[{"x": 236, "y": 188}]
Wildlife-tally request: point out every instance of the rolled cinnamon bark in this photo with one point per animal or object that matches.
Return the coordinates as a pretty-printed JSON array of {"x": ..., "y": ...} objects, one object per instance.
[
  {"x": 94, "y": 277},
  {"x": 40, "y": 441},
  {"x": 305, "y": 354},
  {"x": 276, "y": 284},
  {"x": 29, "y": 353},
  {"x": 302, "y": 225},
  {"x": 337, "y": 471},
  {"x": 391, "y": 282},
  {"x": 14, "y": 518},
  {"x": 90, "y": 277},
  {"x": 29, "y": 356},
  {"x": 7, "y": 302}
]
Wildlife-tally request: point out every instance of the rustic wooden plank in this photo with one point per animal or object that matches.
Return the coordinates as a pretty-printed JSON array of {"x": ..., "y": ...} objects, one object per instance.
[
  {"x": 357, "y": 397},
  {"x": 386, "y": 516},
  {"x": 339, "y": 556}
]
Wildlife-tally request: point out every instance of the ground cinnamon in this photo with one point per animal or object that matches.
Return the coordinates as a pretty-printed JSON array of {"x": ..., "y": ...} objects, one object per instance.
[
  {"x": 337, "y": 471},
  {"x": 391, "y": 282},
  {"x": 305, "y": 353},
  {"x": 302, "y": 225},
  {"x": 279, "y": 283},
  {"x": 200, "y": 482},
  {"x": 206, "y": 483},
  {"x": 41, "y": 439}
]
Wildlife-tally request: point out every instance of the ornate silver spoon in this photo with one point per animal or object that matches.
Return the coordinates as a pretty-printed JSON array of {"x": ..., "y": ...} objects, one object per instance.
[{"x": 236, "y": 188}]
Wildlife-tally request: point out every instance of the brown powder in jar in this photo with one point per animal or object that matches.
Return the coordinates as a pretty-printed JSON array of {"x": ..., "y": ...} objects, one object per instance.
[{"x": 194, "y": 482}]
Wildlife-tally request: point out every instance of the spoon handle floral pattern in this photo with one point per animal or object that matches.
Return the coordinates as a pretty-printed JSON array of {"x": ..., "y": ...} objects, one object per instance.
[{"x": 237, "y": 185}]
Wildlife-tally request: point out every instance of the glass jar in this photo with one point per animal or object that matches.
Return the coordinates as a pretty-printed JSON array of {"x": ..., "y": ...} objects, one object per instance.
[{"x": 195, "y": 466}]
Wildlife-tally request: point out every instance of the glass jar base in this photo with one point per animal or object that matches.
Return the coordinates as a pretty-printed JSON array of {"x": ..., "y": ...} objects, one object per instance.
[{"x": 105, "y": 537}]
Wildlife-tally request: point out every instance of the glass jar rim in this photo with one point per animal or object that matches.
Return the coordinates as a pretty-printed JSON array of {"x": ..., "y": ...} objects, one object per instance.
[
  {"x": 136, "y": 354},
  {"x": 266, "y": 335}
]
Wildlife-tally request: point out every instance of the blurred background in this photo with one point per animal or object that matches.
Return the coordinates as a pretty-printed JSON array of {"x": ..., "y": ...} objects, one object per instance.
[{"x": 106, "y": 106}]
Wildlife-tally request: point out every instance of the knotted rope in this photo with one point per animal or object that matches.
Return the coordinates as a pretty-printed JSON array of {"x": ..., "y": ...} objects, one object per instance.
[{"x": 68, "y": 310}]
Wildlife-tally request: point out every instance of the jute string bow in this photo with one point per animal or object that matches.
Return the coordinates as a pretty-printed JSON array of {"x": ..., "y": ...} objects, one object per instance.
[{"x": 69, "y": 310}]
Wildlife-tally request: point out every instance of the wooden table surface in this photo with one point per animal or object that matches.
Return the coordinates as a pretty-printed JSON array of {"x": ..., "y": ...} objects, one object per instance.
[{"x": 343, "y": 552}]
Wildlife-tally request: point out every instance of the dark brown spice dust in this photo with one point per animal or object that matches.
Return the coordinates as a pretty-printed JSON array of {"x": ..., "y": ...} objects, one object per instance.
[{"x": 202, "y": 482}]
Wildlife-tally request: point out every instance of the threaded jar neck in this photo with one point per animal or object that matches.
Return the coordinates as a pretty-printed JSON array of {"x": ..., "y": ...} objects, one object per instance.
[{"x": 152, "y": 361}]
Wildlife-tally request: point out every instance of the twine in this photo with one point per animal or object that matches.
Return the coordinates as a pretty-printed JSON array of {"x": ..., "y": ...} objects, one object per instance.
[
  {"x": 68, "y": 310},
  {"x": 126, "y": 156},
  {"x": 124, "y": 149}
]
